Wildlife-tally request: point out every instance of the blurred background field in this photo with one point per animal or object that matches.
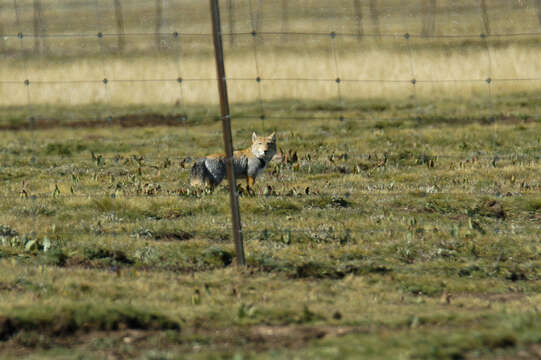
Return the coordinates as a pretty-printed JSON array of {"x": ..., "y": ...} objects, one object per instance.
[
  {"x": 451, "y": 50},
  {"x": 400, "y": 219}
]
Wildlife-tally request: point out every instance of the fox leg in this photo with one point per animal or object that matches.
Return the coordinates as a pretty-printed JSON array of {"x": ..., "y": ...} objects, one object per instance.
[{"x": 250, "y": 184}]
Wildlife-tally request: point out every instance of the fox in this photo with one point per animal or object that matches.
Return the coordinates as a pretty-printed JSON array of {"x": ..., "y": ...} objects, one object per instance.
[{"x": 248, "y": 163}]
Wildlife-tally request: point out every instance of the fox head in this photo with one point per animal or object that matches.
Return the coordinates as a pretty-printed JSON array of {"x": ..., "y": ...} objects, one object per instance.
[{"x": 264, "y": 147}]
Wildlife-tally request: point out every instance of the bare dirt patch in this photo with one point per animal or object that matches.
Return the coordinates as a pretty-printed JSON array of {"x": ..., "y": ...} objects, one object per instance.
[
  {"x": 256, "y": 338},
  {"x": 125, "y": 121}
]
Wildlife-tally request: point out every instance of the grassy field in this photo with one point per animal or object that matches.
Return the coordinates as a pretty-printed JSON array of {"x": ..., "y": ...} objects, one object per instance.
[
  {"x": 388, "y": 239},
  {"x": 400, "y": 220}
]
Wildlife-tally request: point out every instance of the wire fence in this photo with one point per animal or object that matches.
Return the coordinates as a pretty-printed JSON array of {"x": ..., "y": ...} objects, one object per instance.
[
  {"x": 86, "y": 53},
  {"x": 33, "y": 23}
]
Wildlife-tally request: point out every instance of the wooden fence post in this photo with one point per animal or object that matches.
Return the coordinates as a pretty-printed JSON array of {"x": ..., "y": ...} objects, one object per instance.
[
  {"x": 538, "y": 9},
  {"x": 484, "y": 15},
  {"x": 285, "y": 19},
  {"x": 231, "y": 14},
  {"x": 358, "y": 11},
  {"x": 429, "y": 18},
  {"x": 374, "y": 15},
  {"x": 40, "y": 29},
  {"x": 226, "y": 130},
  {"x": 159, "y": 24},
  {"x": 121, "y": 41}
]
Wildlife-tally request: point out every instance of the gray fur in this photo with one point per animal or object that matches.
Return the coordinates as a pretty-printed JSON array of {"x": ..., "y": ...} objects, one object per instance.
[
  {"x": 213, "y": 171},
  {"x": 200, "y": 175}
]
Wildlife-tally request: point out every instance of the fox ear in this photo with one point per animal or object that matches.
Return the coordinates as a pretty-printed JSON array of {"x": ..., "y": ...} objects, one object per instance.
[
  {"x": 254, "y": 137},
  {"x": 273, "y": 136}
]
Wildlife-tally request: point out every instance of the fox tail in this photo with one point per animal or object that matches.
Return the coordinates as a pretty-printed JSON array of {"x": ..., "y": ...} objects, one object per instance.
[{"x": 199, "y": 175}]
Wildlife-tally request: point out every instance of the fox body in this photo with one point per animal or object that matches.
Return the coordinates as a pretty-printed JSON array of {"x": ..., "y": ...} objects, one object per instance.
[{"x": 247, "y": 163}]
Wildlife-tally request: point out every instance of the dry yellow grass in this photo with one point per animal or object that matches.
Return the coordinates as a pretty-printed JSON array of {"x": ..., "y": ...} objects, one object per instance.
[
  {"x": 367, "y": 61},
  {"x": 281, "y": 57}
]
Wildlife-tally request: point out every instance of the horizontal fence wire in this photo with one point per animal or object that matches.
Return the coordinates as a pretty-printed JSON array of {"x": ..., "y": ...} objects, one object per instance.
[
  {"x": 275, "y": 33},
  {"x": 29, "y": 82}
]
